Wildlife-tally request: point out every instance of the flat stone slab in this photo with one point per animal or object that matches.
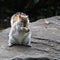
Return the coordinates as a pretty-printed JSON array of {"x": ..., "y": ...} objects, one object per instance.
[{"x": 45, "y": 41}]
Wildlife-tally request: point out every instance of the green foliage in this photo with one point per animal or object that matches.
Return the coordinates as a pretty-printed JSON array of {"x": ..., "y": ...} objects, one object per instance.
[{"x": 36, "y": 9}]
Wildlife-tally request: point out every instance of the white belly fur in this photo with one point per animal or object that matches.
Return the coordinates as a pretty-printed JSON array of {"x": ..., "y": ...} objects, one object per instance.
[{"x": 19, "y": 37}]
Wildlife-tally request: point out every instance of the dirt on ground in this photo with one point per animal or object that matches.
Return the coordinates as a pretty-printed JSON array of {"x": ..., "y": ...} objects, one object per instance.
[{"x": 45, "y": 41}]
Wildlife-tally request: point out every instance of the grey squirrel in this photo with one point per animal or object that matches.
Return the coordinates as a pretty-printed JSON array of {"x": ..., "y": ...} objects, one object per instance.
[{"x": 20, "y": 31}]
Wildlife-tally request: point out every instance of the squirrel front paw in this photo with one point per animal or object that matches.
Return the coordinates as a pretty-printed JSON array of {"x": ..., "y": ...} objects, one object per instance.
[{"x": 26, "y": 29}]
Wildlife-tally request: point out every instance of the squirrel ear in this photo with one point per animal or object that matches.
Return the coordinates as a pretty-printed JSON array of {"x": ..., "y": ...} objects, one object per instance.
[{"x": 24, "y": 16}]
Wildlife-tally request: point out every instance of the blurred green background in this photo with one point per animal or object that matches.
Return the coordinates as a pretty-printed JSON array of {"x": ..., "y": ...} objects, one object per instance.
[{"x": 36, "y": 9}]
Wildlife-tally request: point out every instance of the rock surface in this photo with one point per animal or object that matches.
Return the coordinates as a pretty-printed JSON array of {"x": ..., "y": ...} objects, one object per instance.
[{"x": 45, "y": 41}]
